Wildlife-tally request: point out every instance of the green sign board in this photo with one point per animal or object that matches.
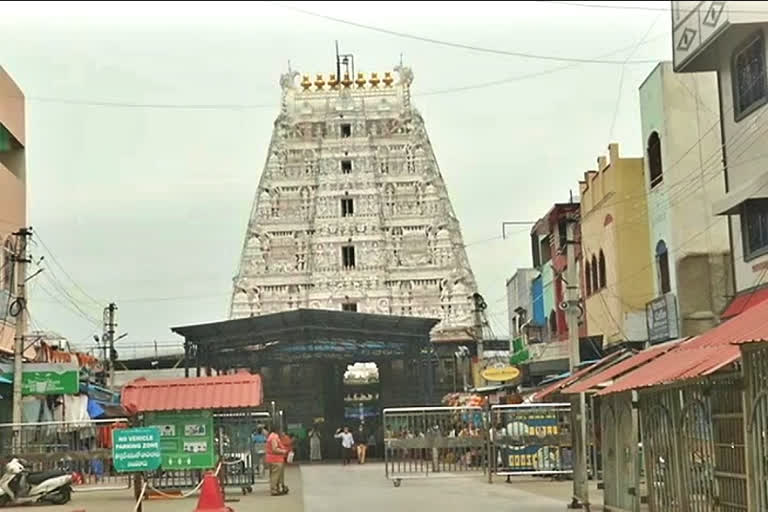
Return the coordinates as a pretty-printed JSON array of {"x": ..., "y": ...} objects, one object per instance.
[
  {"x": 46, "y": 378},
  {"x": 136, "y": 449},
  {"x": 186, "y": 439}
]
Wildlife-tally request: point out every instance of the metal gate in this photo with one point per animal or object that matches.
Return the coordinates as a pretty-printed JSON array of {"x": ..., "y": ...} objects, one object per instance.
[
  {"x": 756, "y": 372},
  {"x": 610, "y": 448},
  {"x": 422, "y": 442},
  {"x": 660, "y": 454},
  {"x": 531, "y": 439},
  {"x": 697, "y": 465}
]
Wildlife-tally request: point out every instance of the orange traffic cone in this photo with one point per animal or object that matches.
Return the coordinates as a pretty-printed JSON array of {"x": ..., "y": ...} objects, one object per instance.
[{"x": 211, "y": 497}]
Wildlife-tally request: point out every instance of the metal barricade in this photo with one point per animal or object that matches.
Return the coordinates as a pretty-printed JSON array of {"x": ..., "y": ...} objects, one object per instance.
[
  {"x": 242, "y": 452},
  {"x": 531, "y": 439},
  {"x": 422, "y": 442},
  {"x": 84, "y": 448},
  {"x": 240, "y": 437}
]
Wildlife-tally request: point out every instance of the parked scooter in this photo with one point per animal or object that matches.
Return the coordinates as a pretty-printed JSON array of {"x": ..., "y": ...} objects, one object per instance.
[{"x": 18, "y": 485}]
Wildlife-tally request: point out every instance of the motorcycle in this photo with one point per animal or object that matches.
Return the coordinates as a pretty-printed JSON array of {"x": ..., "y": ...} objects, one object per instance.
[{"x": 18, "y": 485}]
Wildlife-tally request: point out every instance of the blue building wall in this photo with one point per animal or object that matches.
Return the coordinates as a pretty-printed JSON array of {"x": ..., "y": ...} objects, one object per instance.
[{"x": 537, "y": 297}]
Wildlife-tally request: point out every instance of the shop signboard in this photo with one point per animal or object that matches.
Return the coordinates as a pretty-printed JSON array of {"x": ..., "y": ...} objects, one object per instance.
[
  {"x": 501, "y": 373},
  {"x": 186, "y": 438},
  {"x": 46, "y": 378},
  {"x": 661, "y": 317},
  {"x": 136, "y": 449}
]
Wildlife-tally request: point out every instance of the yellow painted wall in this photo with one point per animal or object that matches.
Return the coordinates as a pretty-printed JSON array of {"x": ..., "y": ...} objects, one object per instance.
[{"x": 614, "y": 220}]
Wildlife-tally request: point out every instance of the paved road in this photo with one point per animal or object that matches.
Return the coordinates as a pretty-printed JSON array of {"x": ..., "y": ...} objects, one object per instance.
[
  {"x": 363, "y": 488},
  {"x": 330, "y": 488}
]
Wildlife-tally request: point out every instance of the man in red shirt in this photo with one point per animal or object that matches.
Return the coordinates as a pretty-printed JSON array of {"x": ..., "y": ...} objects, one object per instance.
[{"x": 275, "y": 456}]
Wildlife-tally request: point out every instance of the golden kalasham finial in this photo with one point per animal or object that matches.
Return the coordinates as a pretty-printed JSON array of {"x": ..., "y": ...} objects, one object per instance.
[
  {"x": 333, "y": 83},
  {"x": 388, "y": 80},
  {"x": 305, "y": 83},
  {"x": 347, "y": 81},
  {"x": 374, "y": 81},
  {"x": 319, "y": 83},
  {"x": 361, "y": 81}
]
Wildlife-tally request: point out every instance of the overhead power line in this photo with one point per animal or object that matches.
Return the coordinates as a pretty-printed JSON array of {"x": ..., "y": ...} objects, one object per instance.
[
  {"x": 462, "y": 46},
  {"x": 640, "y": 6}
]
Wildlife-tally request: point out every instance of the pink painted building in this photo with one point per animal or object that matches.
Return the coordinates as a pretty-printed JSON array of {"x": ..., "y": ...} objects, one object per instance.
[{"x": 13, "y": 197}]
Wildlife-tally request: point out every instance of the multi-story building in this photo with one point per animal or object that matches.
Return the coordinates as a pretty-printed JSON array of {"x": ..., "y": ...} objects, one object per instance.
[
  {"x": 520, "y": 301},
  {"x": 616, "y": 274},
  {"x": 730, "y": 39},
  {"x": 13, "y": 202},
  {"x": 352, "y": 211},
  {"x": 547, "y": 331},
  {"x": 689, "y": 246}
]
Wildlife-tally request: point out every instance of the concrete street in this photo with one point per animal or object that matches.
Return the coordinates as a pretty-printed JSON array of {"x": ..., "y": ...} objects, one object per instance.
[{"x": 331, "y": 488}]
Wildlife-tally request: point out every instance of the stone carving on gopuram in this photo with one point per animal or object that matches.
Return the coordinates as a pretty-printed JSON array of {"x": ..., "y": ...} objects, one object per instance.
[{"x": 351, "y": 210}]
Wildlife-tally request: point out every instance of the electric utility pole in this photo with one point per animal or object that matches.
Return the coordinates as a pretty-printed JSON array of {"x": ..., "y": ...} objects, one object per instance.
[
  {"x": 573, "y": 310},
  {"x": 18, "y": 309},
  {"x": 109, "y": 343}
]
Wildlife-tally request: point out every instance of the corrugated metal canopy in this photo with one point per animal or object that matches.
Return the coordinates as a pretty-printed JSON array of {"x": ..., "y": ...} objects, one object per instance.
[
  {"x": 242, "y": 390},
  {"x": 622, "y": 367},
  {"x": 586, "y": 370},
  {"x": 700, "y": 356},
  {"x": 743, "y": 302}
]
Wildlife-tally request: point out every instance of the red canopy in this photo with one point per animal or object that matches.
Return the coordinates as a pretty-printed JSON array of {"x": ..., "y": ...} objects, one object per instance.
[
  {"x": 239, "y": 391},
  {"x": 701, "y": 356},
  {"x": 743, "y": 302}
]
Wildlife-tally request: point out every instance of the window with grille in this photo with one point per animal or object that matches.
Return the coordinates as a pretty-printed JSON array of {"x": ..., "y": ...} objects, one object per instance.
[
  {"x": 748, "y": 77},
  {"x": 349, "y": 306},
  {"x": 347, "y": 207},
  {"x": 662, "y": 267},
  {"x": 653, "y": 152},
  {"x": 346, "y": 166},
  {"x": 348, "y": 256},
  {"x": 346, "y": 130},
  {"x": 754, "y": 227}
]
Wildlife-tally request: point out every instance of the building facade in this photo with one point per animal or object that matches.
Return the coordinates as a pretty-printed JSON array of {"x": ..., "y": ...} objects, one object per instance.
[
  {"x": 616, "y": 274},
  {"x": 13, "y": 197},
  {"x": 547, "y": 332},
  {"x": 351, "y": 211},
  {"x": 520, "y": 301},
  {"x": 689, "y": 246},
  {"x": 729, "y": 38}
]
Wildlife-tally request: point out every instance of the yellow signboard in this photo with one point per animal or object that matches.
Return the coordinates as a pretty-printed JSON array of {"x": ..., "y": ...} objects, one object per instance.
[{"x": 502, "y": 374}]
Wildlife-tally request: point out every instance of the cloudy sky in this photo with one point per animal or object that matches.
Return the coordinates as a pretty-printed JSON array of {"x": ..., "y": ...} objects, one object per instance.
[{"x": 148, "y": 124}]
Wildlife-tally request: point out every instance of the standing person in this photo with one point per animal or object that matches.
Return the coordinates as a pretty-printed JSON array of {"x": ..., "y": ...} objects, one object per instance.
[
  {"x": 361, "y": 445},
  {"x": 275, "y": 458},
  {"x": 259, "y": 439},
  {"x": 347, "y": 444},
  {"x": 315, "y": 454},
  {"x": 371, "y": 441}
]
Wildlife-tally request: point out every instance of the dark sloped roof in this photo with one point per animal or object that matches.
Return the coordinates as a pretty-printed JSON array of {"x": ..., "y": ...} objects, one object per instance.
[{"x": 307, "y": 325}]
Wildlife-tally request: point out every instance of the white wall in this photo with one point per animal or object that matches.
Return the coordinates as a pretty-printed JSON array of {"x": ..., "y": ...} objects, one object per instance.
[{"x": 746, "y": 143}]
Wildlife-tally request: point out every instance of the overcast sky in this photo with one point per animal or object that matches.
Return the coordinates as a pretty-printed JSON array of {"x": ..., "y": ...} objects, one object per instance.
[{"x": 148, "y": 124}]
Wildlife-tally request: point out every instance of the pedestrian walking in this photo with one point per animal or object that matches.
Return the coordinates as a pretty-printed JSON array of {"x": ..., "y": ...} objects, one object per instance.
[
  {"x": 361, "y": 445},
  {"x": 347, "y": 444},
  {"x": 276, "y": 454},
  {"x": 315, "y": 454}
]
